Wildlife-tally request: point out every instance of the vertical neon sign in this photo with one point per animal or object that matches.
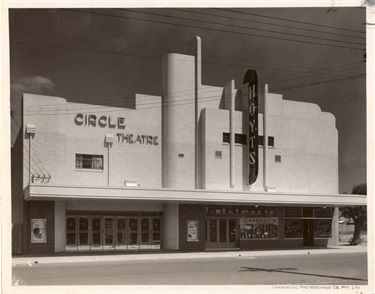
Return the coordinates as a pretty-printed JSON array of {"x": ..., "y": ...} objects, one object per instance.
[{"x": 251, "y": 77}]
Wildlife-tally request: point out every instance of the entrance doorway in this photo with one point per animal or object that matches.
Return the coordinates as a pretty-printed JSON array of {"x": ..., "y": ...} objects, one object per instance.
[
  {"x": 221, "y": 233},
  {"x": 308, "y": 232},
  {"x": 102, "y": 238},
  {"x": 112, "y": 232}
]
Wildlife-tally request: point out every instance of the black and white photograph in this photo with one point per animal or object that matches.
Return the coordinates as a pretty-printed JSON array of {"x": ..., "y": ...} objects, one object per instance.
[{"x": 220, "y": 148}]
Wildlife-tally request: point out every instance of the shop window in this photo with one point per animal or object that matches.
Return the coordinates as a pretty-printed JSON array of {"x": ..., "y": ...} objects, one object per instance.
[
  {"x": 271, "y": 141},
  {"x": 259, "y": 227},
  {"x": 320, "y": 217},
  {"x": 238, "y": 138},
  {"x": 322, "y": 228},
  {"x": 255, "y": 223},
  {"x": 85, "y": 161},
  {"x": 293, "y": 228}
]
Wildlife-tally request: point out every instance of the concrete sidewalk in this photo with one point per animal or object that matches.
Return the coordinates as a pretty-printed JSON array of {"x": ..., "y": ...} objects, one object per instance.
[{"x": 33, "y": 260}]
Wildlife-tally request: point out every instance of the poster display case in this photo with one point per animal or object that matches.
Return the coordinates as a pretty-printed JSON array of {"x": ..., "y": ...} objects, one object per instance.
[
  {"x": 192, "y": 230},
  {"x": 38, "y": 231}
]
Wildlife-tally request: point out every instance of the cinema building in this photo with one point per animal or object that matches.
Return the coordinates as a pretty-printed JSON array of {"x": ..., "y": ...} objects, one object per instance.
[{"x": 189, "y": 171}]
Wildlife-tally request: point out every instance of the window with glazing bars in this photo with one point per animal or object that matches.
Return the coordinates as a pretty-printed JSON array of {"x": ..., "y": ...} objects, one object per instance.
[
  {"x": 238, "y": 138},
  {"x": 271, "y": 141},
  {"x": 86, "y": 161}
]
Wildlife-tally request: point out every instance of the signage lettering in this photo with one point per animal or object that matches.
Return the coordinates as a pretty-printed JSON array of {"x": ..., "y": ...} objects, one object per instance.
[
  {"x": 251, "y": 141},
  {"x": 251, "y": 124},
  {"x": 252, "y": 158},
  {"x": 251, "y": 78},
  {"x": 139, "y": 139},
  {"x": 259, "y": 221},
  {"x": 102, "y": 121},
  {"x": 110, "y": 125},
  {"x": 79, "y": 119},
  {"x": 252, "y": 109},
  {"x": 91, "y": 120}
]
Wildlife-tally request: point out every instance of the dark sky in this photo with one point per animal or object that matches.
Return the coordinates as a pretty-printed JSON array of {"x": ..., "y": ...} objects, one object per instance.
[{"x": 105, "y": 56}]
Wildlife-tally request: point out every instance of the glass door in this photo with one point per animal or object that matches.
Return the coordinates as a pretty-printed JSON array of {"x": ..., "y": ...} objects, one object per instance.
[
  {"x": 109, "y": 240},
  {"x": 221, "y": 233},
  {"x": 122, "y": 240},
  {"x": 71, "y": 233},
  {"x": 145, "y": 233},
  {"x": 83, "y": 233},
  {"x": 96, "y": 233},
  {"x": 232, "y": 231},
  {"x": 212, "y": 231},
  {"x": 133, "y": 233},
  {"x": 156, "y": 233}
]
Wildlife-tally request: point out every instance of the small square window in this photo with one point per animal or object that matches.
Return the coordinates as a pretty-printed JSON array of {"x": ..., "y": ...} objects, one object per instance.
[
  {"x": 218, "y": 154},
  {"x": 180, "y": 155},
  {"x": 277, "y": 158}
]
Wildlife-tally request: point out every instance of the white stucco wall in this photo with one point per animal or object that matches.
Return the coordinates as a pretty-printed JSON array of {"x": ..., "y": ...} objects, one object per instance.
[
  {"x": 58, "y": 139},
  {"x": 305, "y": 138},
  {"x": 178, "y": 113}
]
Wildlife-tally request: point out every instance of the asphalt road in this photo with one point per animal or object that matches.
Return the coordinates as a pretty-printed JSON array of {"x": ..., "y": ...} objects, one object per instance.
[{"x": 317, "y": 269}]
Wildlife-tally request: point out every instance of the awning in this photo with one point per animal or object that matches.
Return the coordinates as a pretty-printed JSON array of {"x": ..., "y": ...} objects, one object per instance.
[{"x": 56, "y": 192}]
